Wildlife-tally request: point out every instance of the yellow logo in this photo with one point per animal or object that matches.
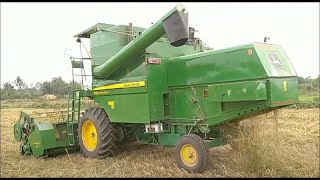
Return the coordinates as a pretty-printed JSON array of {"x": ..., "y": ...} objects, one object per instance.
[
  {"x": 111, "y": 104},
  {"x": 100, "y": 92},
  {"x": 284, "y": 85}
]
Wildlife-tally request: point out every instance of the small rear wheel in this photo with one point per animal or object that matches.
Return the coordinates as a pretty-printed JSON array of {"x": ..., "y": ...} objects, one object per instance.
[{"x": 191, "y": 153}]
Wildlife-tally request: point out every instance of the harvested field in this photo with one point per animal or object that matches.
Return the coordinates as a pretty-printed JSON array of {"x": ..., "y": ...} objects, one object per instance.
[{"x": 286, "y": 146}]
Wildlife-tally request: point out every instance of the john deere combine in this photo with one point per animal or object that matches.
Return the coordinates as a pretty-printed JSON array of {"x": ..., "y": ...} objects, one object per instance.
[{"x": 162, "y": 86}]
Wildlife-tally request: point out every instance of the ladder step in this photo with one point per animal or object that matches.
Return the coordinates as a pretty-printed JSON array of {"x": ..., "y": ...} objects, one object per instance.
[{"x": 73, "y": 113}]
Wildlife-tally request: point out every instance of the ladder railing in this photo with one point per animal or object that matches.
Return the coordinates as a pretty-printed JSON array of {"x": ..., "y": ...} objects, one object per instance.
[
  {"x": 73, "y": 113},
  {"x": 74, "y": 105},
  {"x": 74, "y": 99}
]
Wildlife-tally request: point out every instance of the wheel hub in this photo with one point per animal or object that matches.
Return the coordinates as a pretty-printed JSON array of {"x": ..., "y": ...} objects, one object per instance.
[
  {"x": 89, "y": 135},
  {"x": 189, "y": 155}
]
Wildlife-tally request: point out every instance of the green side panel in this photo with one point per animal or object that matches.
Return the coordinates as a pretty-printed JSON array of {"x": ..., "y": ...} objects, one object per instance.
[
  {"x": 284, "y": 91},
  {"x": 243, "y": 91},
  {"x": 103, "y": 46},
  {"x": 212, "y": 108},
  {"x": 126, "y": 108},
  {"x": 215, "y": 92},
  {"x": 275, "y": 60},
  {"x": 47, "y": 135},
  {"x": 168, "y": 139},
  {"x": 190, "y": 103},
  {"x": 234, "y": 110},
  {"x": 231, "y": 64},
  {"x": 157, "y": 90},
  {"x": 238, "y": 106},
  {"x": 203, "y": 106},
  {"x": 42, "y": 138},
  {"x": 186, "y": 104},
  {"x": 34, "y": 139},
  {"x": 180, "y": 104}
]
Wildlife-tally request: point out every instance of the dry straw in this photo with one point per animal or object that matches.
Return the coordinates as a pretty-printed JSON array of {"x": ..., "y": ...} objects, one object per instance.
[{"x": 262, "y": 146}]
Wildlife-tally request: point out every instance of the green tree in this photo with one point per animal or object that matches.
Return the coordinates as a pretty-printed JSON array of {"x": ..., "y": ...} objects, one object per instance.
[
  {"x": 59, "y": 87},
  {"x": 8, "y": 86},
  {"x": 20, "y": 84},
  {"x": 8, "y": 91},
  {"x": 46, "y": 87},
  {"x": 56, "y": 86}
]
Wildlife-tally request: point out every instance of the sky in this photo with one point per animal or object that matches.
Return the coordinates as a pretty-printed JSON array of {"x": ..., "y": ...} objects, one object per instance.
[{"x": 34, "y": 36}]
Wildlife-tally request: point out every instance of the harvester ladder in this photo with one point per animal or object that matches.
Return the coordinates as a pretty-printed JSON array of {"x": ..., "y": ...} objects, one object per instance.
[
  {"x": 74, "y": 105},
  {"x": 73, "y": 113}
]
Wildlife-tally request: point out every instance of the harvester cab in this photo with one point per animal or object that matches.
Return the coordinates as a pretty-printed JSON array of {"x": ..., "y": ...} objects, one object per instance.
[{"x": 162, "y": 86}]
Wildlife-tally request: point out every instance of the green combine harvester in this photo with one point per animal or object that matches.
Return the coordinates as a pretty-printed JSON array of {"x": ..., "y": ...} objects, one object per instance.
[{"x": 162, "y": 86}]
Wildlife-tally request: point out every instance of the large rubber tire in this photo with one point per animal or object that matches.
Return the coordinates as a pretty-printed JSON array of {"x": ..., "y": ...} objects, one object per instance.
[
  {"x": 103, "y": 132},
  {"x": 199, "y": 150}
]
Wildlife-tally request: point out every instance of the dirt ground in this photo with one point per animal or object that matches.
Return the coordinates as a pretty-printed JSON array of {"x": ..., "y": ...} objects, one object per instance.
[{"x": 285, "y": 147}]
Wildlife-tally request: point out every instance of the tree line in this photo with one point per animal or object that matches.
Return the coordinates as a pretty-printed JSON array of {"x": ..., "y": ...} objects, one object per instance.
[
  {"x": 309, "y": 86},
  {"x": 18, "y": 89}
]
